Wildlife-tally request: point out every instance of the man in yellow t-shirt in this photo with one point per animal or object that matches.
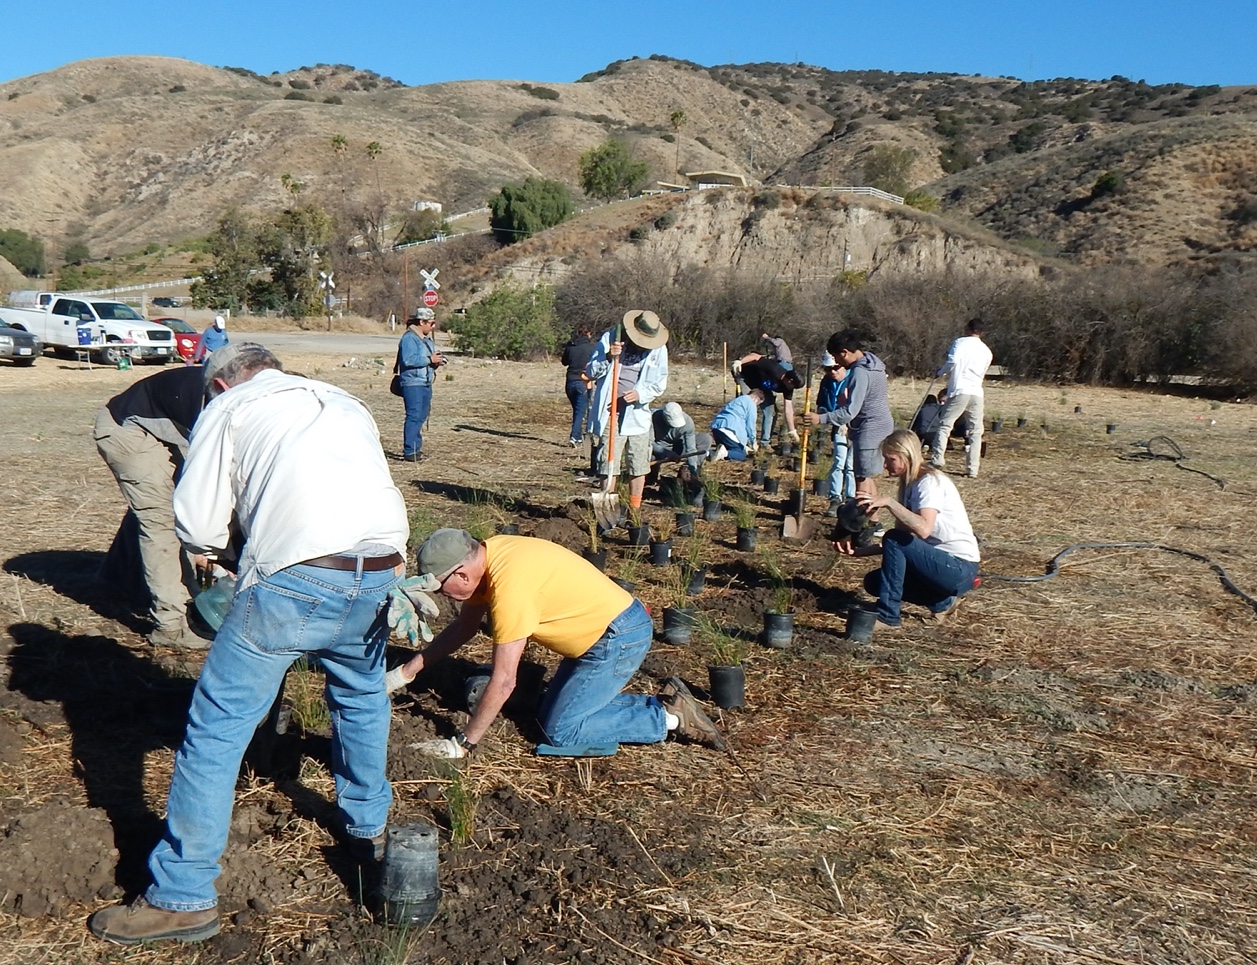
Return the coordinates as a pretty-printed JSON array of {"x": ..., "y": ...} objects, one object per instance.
[{"x": 533, "y": 589}]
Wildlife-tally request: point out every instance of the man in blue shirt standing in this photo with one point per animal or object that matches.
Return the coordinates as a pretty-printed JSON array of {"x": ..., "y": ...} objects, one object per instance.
[
  {"x": 212, "y": 339},
  {"x": 417, "y": 362}
]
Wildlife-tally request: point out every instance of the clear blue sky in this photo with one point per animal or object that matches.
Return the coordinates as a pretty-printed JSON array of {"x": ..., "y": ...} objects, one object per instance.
[{"x": 1160, "y": 41}]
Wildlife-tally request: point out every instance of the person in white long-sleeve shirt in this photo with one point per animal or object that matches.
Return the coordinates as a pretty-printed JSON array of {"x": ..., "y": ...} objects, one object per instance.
[
  {"x": 965, "y": 368},
  {"x": 296, "y": 465}
]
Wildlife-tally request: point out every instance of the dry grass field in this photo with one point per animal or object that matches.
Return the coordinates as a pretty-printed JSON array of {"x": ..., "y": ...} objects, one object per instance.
[{"x": 1062, "y": 774}]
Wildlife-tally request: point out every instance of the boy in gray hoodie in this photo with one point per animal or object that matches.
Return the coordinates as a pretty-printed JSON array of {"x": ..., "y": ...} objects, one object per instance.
[{"x": 867, "y": 410}]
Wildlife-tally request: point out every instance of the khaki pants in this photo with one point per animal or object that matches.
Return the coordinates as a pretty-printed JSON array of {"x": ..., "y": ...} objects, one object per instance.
[
  {"x": 971, "y": 407},
  {"x": 145, "y": 468}
]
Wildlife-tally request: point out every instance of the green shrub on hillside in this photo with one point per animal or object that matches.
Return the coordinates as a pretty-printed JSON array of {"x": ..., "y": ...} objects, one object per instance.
[
  {"x": 519, "y": 211},
  {"x": 23, "y": 252},
  {"x": 511, "y": 323}
]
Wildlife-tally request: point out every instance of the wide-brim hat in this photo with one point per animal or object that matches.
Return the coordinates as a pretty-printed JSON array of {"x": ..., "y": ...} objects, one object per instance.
[{"x": 644, "y": 329}]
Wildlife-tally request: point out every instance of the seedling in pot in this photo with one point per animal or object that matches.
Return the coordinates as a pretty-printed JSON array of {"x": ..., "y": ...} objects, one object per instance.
[
  {"x": 589, "y": 523},
  {"x": 663, "y": 527},
  {"x": 629, "y": 566},
  {"x": 744, "y": 513},
  {"x": 782, "y": 585},
  {"x": 713, "y": 488},
  {"x": 725, "y": 649}
]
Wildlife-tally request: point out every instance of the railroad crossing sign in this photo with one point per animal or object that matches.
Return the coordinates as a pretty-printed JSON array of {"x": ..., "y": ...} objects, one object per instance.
[
  {"x": 429, "y": 281},
  {"x": 430, "y": 298},
  {"x": 325, "y": 280}
]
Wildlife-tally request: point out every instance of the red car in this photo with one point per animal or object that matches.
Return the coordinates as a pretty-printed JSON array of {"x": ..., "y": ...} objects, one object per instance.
[{"x": 187, "y": 338}]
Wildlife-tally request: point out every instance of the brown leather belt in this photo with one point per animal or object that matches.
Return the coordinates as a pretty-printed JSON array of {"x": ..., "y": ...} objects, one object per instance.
[{"x": 370, "y": 564}]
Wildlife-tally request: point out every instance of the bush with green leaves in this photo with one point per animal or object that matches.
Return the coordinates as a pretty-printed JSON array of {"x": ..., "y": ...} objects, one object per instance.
[
  {"x": 888, "y": 168},
  {"x": 512, "y": 323},
  {"x": 22, "y": 251},
  {"x": 519, "y": 211},
  {"x": 611, "y": 171}
]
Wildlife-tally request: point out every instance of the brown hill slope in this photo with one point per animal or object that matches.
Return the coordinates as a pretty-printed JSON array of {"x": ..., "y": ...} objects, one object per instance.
[{"x": 131, "y": 150}]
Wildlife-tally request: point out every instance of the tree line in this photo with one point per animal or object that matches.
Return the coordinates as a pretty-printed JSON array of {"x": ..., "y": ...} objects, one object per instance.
[{"x": 1105, "y": 326}]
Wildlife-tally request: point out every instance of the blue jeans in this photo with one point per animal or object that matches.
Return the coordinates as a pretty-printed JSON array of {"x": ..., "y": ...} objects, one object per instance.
[
  {"x": 578, "y": 395},
  {"x": 737, "y": 451},
  {"x": 335, "y": 614},
  {"x": 584, "y": 703},
  {"x": 418, "y": 399},
  {"x": 918, "y": 572},
  {"x": 842, "y": 474},
  {"x": 766, "y": 415}
]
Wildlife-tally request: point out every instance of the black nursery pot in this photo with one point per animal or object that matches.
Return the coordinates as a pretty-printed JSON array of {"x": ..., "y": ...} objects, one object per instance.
[
  {"x": 1021, "y": 423},
  {"x": 627, "y": 585},
  {"x": 997, "y": 425},
  {"x": 711, "y": 510},
  {"x": 678, "y": 625},
  {"x": 786, "y": 449},
  {"x": 860, "y": 624},
  {"x": 778, "y": 629},
  {"x": 771, "y": 485},
  {"x": 1110, "y": 428},
  {"x": 660, "y": 552},
  {"x": 820, "y": 486},
  {"x": 746, "y": 538},
  {"x": 685, "y": 524},
  {"x": 694, "y": 580},
  {"x": 727, "y": 686},
  {"x": 639, "y": 535},
  {"x": 812, "y": 457},
  {"x": 597, "y": 557},
  {"x": 757, "y": 477},
  {"x": 509, "y": 529}
]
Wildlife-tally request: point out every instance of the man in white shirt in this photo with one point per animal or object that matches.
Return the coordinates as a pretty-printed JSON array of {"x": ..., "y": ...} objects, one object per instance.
[
  {"x": 297, "y": 465},
  {"x": 965, "y": 368}
]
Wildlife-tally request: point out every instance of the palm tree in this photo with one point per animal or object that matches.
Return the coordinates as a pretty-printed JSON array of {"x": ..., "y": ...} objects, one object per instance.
[
  {"x": 677, "y": 119},
  {"x": 340, "y": 147},
  {"x": 374, "y": 150}
]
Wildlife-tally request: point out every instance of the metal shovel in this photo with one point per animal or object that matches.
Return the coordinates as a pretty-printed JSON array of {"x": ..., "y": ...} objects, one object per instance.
[{"x": 606, "y": 504}]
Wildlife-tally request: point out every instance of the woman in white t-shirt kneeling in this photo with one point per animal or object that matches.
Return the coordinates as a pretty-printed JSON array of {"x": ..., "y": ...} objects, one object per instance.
[{"x": 931, "y": 556}]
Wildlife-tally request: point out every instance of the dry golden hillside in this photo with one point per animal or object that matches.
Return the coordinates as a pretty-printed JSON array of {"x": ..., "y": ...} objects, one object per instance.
[{"x": 127, "y": 151}]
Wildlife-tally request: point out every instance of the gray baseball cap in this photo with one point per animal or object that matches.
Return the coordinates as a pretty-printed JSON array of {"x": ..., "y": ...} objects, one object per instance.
[{"x": 443, "y": 551}]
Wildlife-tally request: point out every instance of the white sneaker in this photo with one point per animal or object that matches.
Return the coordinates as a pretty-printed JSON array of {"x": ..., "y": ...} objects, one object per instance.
[{"x": 720, "y": 453}]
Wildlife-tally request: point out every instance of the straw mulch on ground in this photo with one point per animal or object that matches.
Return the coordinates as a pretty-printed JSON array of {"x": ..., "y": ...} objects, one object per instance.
[{"x": 1062, "y": 773}]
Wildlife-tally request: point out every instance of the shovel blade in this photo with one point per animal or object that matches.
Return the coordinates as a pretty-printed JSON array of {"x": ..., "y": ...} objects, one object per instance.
[
  {"x": 799, "y": 527},
  {"x": 606, "y": 507}
]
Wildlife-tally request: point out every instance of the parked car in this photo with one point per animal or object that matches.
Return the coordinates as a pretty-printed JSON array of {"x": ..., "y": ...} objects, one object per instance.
[
  {"x": 187, "y": 338},
  {"x": 20, "y": 346},
  {"x": 166, "y": 301}
]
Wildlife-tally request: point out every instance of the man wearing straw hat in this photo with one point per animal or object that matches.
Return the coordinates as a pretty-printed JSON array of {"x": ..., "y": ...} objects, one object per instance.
[{"x": 643, "y": 377}]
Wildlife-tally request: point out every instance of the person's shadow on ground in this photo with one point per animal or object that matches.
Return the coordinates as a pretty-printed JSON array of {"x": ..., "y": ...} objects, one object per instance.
[
  {"x": 118, "y": 706},
  {"x": 75, "y": 575}
]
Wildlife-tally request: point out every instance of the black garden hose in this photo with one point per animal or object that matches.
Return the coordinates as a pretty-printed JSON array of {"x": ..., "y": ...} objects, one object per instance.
[{"x": 1054, "y": 565}]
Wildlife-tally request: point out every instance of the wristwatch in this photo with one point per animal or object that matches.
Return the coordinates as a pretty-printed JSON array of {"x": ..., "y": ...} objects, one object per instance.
[{"x": 461, "y": 740}]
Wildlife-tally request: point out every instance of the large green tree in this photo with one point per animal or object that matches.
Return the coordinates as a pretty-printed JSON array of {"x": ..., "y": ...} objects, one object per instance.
[
  {"x": 233, "y": 244},
  {"x": 22, "y": 251},
  {"x": 889, "y": 168},
  {"x": 521, "y": 210},
  {"x": 610, "y": 171}
]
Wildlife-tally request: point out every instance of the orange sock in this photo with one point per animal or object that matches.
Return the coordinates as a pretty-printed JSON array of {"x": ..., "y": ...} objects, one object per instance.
[{"x": 635, "y": 502}]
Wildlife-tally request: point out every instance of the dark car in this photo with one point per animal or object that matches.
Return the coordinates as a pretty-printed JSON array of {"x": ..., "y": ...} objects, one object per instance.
[
  {"x": 166, "y": 302},
  {"x": 19, "y": 345},
  {"x": 187, "y": 338}
]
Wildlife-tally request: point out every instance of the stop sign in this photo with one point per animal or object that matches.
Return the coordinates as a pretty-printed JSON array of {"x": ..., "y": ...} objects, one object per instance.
[{"x": 430, "y": 298}]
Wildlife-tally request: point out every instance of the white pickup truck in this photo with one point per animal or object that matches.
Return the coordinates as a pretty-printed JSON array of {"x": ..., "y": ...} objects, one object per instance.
[{"x": 72, "y": 323}]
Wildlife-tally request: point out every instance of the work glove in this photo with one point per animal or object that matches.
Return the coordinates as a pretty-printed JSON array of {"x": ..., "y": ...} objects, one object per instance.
[
  {"x": 408, "y": 604},
  {"x": 736, "y": 368},
  {"x": 794, "y": 435},
  {"x": 395, "y": 680},
  {"x": 752, "y": 447},
  {"x": 445, "y": 747}
]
